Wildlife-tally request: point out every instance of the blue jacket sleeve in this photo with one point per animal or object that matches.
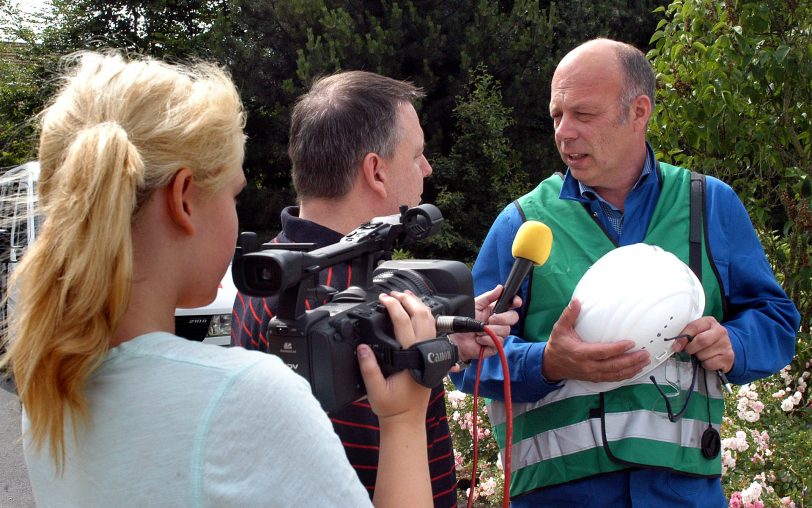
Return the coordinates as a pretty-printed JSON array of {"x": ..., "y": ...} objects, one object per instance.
[
  {"x": 760, "y": 319},
  {"x": 492, "y": 267}
]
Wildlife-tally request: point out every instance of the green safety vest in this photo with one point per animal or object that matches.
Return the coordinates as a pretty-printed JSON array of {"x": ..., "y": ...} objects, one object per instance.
[{"x": 572, "y": 432}]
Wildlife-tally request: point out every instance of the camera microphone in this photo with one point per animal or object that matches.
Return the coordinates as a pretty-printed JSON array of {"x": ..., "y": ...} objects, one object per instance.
[{"x": 531, "y": 247}]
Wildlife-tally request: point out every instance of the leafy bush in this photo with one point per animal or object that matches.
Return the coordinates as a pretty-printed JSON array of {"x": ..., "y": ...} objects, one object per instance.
[{"x": 734, "y": 101}]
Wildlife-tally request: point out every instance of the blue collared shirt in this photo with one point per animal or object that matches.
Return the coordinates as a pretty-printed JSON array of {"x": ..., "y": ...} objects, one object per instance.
[{"x": 610, "y": 217}]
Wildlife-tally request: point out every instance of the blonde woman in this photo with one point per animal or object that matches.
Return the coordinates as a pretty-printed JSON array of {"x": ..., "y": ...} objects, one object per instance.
[{"x": 140, "y": 169}]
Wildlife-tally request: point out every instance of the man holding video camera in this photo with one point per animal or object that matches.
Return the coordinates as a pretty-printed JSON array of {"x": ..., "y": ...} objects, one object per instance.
[{"x": 357, "y": 151}]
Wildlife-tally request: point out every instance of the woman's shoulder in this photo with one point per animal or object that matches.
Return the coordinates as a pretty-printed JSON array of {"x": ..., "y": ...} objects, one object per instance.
[{"x": 194, "y": 358}]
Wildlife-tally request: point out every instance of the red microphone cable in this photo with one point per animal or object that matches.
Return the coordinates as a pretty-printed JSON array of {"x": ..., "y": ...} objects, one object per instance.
[{"x": 508, "y": 422}]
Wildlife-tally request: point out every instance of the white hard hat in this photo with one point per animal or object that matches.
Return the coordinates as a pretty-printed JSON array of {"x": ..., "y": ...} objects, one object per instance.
[{"x": 638, "y": 292}]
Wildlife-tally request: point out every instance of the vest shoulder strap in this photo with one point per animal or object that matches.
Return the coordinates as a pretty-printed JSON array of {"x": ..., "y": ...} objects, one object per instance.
[{"x": 696, "y": 223}]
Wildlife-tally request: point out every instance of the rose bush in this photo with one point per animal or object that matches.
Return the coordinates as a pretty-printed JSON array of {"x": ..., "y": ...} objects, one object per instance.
[{"x": 490, "y": 477}]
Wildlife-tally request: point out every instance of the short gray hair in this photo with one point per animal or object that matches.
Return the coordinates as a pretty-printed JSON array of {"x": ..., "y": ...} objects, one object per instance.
[
  {"x": 638, "y": 75},
  {"x": 337, "y": 123}
]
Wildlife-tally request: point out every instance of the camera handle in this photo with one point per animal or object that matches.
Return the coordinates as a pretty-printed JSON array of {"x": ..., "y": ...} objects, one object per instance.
[{"x": 427, "y": 361}]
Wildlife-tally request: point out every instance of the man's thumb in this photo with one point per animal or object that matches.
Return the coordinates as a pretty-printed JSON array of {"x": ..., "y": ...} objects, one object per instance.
[{"x": 570, "y": 314}]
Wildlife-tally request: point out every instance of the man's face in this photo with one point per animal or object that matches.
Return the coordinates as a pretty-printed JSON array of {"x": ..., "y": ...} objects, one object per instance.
[
  {"x": 407, "y": 165},
  {"x": 593, "y": 131}
]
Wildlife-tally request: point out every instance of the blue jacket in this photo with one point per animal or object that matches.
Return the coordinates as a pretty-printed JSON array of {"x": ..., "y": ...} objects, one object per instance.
[{"x": 761, "y": 322}]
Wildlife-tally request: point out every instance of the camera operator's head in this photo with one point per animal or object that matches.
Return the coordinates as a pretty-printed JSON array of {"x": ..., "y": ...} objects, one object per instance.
[{"x": 356, "y": 144}]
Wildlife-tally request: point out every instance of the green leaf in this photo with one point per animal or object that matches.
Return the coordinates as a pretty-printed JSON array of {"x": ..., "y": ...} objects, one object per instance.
[{"x": 781, "y": 53}]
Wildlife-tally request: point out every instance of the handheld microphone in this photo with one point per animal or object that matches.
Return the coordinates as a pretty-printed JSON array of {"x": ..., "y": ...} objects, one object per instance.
[{"x": 531, "y": 247}]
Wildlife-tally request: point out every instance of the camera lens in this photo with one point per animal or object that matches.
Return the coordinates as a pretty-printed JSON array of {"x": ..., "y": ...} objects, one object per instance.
[{"x": 401, "y": 280}]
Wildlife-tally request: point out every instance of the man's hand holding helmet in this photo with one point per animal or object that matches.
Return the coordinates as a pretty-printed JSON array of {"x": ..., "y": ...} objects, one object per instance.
[{"x": 710, "y": 344}]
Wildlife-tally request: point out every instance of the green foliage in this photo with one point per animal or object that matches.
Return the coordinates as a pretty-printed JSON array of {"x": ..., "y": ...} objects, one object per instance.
[
  {"x": 482, "y": 173},
  {"x": 275, "y": 49},
  {"x": 734, "y": 101},
  {"x": 18, "y": 87},
  {"x": 160, "y": 28},
  {"x": 16, "y": 127}
]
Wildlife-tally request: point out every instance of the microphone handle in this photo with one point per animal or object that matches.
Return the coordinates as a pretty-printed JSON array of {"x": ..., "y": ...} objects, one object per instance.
[{"x": 517, "y": 274}]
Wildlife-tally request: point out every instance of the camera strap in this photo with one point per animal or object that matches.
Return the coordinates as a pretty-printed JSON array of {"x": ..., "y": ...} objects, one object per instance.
[{"x": 427, "y": 361}]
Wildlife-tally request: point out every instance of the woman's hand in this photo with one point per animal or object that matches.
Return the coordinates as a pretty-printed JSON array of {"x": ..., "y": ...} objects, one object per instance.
[{"x": 398, "y": 396}]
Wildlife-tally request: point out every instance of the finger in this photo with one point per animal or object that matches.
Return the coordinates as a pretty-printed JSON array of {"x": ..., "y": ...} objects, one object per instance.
[
  {"x": 708, "y": 339},
  {"x": 499, "y": 330},
  {"x": 616, "y": 372},
  {"x": 517, "y": 302},
  {"x": 696, "y": 329},
  {"x": 712, "y": 350},
  {"x": 422, "y": 319},
  {"x": 570, "y": 314},
  {"x": 488, "y": 351},
  {"x": 507, "y": 318},
  {"x": 619, "y": 367},
  {"x": 679, "y": 345},
  {"x": 401, "y": 322},
  {"x": 484, "y": 300},
  {"x": 485, "y": 341},
  {"x": 410, "y": 302},
  {"x": 610, "y": 350},
  {"x": 370, "y": 370}
]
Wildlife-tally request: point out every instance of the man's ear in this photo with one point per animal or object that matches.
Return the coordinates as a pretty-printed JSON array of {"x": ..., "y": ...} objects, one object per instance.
[
  {"x": 641, "y": 110},
  {"x": 178, "y": 200},
  {"x": 373, "y": 172}
]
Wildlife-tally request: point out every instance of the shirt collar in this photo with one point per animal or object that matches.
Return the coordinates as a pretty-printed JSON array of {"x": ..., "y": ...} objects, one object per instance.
[
  {"x": 295, "y": 228},
  {"x": 577, "y": 191}
]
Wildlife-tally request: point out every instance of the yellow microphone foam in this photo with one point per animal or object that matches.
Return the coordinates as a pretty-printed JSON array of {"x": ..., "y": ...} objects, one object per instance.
[{"x": 533, "y": 242}]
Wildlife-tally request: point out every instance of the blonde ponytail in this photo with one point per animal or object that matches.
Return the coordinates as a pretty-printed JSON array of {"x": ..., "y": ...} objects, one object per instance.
[
  {"x": 83, "y": 265},
  {"x": 115, "y": 132}
]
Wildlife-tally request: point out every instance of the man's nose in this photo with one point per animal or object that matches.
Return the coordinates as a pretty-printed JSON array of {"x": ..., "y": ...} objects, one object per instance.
[
  {"x": 425, "y": 167},
  {"x": 565, "y": 130}
]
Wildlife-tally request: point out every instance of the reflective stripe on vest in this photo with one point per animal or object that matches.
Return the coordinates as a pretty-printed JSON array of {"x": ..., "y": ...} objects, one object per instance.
[{"x": 574, "y": 433}]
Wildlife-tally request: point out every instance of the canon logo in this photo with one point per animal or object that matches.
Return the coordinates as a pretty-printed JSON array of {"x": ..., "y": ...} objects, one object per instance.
[{"x": 438, "y": 357}]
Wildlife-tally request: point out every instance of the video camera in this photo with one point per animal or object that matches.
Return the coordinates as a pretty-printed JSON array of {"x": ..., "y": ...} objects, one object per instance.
[{"x": 320, "y": 344}]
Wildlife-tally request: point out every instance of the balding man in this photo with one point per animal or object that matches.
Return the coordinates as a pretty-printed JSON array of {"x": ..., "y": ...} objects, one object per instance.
[{"x": 630, "y": 445}]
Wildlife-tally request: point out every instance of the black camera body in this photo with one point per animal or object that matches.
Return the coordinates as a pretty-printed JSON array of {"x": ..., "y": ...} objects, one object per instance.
[{"x": 320, "y": 344}]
